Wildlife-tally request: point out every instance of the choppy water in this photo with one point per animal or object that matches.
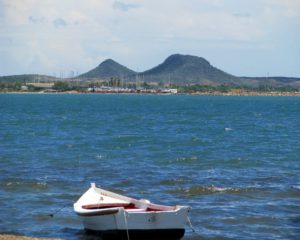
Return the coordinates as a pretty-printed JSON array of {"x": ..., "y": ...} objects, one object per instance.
[{"x": 235, "y": 160}]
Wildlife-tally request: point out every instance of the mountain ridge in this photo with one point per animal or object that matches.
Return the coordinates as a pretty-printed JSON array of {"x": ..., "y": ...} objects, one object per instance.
[
  {"x": 183, "y": 69},
  {"x": 177, "y": 69}
]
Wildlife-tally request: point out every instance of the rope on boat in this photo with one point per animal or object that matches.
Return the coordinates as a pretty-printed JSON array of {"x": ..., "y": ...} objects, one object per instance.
[
  {"x": 126, "y": 224},
  {"x": 192, "y": 227},
  {"x": 190, "y": 224},
  {"x": 57, "y": 211}
]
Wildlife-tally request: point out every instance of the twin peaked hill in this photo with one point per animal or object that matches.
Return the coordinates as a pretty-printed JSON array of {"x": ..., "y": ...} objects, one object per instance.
[
  {"x": 185, "y": 69},
  {"x": 176, "y": 69},
  {"x": 179, "y": 69}
]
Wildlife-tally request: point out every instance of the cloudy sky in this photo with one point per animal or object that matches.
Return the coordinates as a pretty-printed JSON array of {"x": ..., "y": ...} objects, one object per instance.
[{"x": 242, "y": 37}]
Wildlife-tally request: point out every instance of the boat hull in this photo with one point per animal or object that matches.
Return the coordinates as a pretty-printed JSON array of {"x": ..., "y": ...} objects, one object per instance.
[
  {"x": 157, "y": 234},
  {"x": 120, "y": 219}
]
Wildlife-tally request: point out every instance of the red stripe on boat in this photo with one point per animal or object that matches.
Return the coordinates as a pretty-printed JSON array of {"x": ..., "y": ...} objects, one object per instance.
[{"x": 108, "y": 205}]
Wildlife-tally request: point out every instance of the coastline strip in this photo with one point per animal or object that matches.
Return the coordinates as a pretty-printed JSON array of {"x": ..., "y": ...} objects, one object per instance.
[{"x": 18, "y": 237}]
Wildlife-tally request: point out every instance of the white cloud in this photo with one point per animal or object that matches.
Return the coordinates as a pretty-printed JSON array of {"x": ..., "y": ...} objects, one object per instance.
[
  {"x": 287, "y": 8},
  {"x": 36, "y": 20},
  {"x": 50, "y": 35},
  {"x": 59, "y": 22},
  {"x": 124, "y": 6}
]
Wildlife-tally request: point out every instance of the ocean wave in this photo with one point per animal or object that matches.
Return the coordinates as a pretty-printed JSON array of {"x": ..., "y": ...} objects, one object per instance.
[
  {"x": 292, "y": 192},
  {"x": 174, "y": 181},
  {"x": 98, "y": 156},
  {"x": 26, "y": 185},
  {"x": 184, "y": 160},
  {"x": 204, "y": 190}
]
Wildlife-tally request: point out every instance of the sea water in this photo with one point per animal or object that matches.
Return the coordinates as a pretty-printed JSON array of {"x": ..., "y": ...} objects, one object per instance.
[{"x": 234, "y": 160}]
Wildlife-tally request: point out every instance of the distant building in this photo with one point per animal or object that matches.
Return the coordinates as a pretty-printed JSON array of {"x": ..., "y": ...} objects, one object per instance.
[
  {"x": 169, "y": 90},
  {"x": 24, "y": 88}
]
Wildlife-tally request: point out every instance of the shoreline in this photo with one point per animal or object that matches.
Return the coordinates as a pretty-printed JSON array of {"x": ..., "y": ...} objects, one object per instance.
[
  {"x": 248, "y": 94},
  {"x": 6, "y": 236}
]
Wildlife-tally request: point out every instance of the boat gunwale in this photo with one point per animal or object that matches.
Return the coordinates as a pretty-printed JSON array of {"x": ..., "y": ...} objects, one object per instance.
[{"x": 129, "y": 207}]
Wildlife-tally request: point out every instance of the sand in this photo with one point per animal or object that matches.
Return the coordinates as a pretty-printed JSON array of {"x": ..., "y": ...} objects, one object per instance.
[{"x": 16, "y": 237}]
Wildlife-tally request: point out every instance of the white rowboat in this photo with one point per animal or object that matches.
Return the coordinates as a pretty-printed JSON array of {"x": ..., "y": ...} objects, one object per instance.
[{"x": 114, "y": 215}]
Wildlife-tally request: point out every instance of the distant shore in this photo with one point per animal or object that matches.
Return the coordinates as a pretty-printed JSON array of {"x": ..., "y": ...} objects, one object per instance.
[
  {"x": 211, "y": 93},
  {"x": 245, "y": 93}
]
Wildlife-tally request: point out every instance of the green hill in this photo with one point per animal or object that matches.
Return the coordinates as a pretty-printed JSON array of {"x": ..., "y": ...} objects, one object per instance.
[
  {"x": 26, "y": 78},
  {"x": 108, "y": 68},
  {"x": 187, "y": 69}
]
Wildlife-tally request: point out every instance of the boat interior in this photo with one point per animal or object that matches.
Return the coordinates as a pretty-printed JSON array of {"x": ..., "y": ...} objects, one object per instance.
[{"x": 130, "y": 207}]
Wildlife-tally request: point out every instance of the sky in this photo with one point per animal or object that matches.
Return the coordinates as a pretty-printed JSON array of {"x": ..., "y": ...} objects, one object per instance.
[{"x": 70, "y": 37}]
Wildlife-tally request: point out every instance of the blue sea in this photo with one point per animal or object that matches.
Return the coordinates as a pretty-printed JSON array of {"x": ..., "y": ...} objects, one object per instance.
[{"x": 234, "y": 160}]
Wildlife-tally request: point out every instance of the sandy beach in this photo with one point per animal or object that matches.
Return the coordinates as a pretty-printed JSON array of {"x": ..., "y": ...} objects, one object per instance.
[{"x": 17, "y": 237}]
